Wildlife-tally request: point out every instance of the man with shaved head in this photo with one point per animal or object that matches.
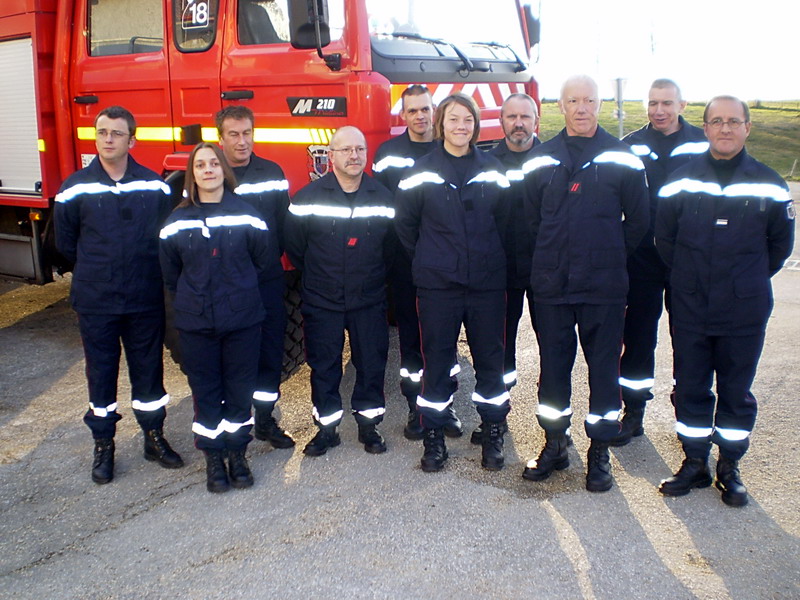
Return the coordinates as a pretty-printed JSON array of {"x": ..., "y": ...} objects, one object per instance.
[
  {"x": 336, "y": 233},
  {"x": 666, "y": 143},
  {"x": 586, "y": 201}
]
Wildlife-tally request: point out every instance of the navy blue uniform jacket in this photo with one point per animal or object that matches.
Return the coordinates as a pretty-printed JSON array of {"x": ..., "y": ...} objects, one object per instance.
[
  {"x": 724, "y": 244},
  {"x": 212, "y": 256},
  {"x": 519, "y": 250},
  {"x": 687, "y": 143},
  {"x": 109, "y": 231},
  {"x": 585, "y": 217},
  {"x": 264, "y": 186},
  {"x": 393, "y": 162},
  {"x": 340, "y": 246},
  {"x": 454, "y": 232}
]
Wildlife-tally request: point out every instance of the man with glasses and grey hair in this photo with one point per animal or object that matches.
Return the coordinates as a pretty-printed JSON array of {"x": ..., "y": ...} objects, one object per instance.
[
  {"x": 108, "y": 217},
  {"x": 336, "y": 235},
  {"x": 725, "y": 226}
]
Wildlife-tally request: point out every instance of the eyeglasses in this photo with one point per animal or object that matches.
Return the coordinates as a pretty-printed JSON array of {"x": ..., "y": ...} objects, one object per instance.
[
  {"x": 718, "y": 123},
  {"x": 350, "y": 150},
  {"x": 115, "y": 133}
]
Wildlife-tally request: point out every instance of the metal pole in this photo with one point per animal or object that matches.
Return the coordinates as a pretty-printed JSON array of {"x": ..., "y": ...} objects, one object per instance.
[{"x": 620, "y": 115}]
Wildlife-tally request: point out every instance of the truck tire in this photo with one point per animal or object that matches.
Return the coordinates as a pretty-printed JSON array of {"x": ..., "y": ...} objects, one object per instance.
[
  {"x": 293, "y": 349},
  {"x": 171, "y": 341}
]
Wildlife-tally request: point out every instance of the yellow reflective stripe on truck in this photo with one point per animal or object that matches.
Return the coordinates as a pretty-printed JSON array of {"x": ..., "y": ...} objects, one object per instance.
[{"x": 261, "y": 135}]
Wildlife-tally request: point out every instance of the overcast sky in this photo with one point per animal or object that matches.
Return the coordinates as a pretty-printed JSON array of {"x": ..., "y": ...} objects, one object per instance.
[{"x": 746, "y": 48}]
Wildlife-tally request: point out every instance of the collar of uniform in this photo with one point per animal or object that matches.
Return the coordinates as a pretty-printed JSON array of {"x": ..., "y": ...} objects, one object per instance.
[
  {"x": 97, "y": 170},
  {"x": 601, "y": 140},
  {"x": 329, "y": 182}
]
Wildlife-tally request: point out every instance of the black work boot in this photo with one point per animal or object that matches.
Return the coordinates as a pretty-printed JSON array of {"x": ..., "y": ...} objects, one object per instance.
[
  {"x": 216, "y": 473},
  {"x": 492, "y": 446},
  {"x": 103, "y": 463},
  {"x": 413, "y": 429},
  {"x": 631, "y": 426},
  {"x": 157, "y": 449},
  {"x": 326, "y": 437},
  {"x": 729, "y": 482},
  {"x": 238, "y": 470},
  {"x": 435, "y": 454},
  {"x": 477, "y": 434},
  {"x": 453, "y": 427},
  {"x": 267, "y": 429},
  {"x": 371, "y": 438},
  {"x": 553, "y": 457},
  {"x": 598, "y": 469},
  {"x": 692, "y": 474}
]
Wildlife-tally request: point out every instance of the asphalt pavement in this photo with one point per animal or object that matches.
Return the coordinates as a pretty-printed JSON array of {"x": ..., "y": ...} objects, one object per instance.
[{"x": 355, "y": 525}]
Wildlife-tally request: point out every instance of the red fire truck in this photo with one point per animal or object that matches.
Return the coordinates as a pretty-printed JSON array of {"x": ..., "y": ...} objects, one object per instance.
[{"x": 305, "y": 67}]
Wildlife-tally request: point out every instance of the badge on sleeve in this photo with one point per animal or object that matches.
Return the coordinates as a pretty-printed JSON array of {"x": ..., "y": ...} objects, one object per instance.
[{"x": 790, "y": 211}]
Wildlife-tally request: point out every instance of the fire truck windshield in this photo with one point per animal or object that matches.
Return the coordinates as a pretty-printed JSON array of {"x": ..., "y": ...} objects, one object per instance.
[{"x": 491, "y": 34}]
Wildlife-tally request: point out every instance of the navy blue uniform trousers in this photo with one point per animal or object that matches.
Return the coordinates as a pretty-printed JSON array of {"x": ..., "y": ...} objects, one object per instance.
[
  {"x": 142, "y": 336},
  {"x": 222, "y": 370},
  {"x": 515, "y": 301},
  {"x": 273, "y": 331},
  {"x": 405, "y": 312},
  {"x": 646, "y": 299},
  {"x": 728, "y": 419},
  {"x": 368, "y": 332},
  {"x": 441, "y": 314},
  {"x": 600, "y": 330}
]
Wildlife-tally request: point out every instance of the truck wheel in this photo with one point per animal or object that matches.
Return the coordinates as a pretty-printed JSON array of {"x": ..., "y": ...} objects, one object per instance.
[
  {"x": 171, "y": 341},
  {"x": 293, "y": 349}
]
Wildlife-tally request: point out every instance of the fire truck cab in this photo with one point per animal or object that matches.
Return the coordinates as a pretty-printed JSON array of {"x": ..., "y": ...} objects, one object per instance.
[{"x": 305, "y": 68}]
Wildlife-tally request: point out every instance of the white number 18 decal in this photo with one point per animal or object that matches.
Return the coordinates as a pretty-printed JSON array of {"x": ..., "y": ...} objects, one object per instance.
[{"x": 198, "y": 12}]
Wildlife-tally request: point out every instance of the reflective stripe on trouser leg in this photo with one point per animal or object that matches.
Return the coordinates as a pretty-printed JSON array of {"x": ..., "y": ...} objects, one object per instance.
[
  {"x": 222, "y": 370},
  {"x": 405, "y": 312},
  {"x": 514, "y": 301},
  {"x": 600, "y": 332},
  {"x": 637, "y": 365},
  {"x": 323, "y": 331},
  {"x": 485, "y": 327},
  {"x": 143, "y": 340},
  {"x": 736, "y": 359},
  {"x": 369, "y": 346},
  {"x": 440, "y": 315},
  {"x": 100, "y": 335},
  {"x": 557, "y": 347},
  {"x": 694, "y": 400},
  {"x": 142, "y": 334},
  {"x": 273, "y": 331}
]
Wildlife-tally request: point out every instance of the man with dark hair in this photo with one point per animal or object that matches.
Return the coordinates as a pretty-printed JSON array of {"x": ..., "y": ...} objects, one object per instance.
[
  {"x": 262, "y": 184},
  {"x": 725, "y": 226},
  {"x": 664, "y": 144},
  {"x": 586, "y": 196},
  {"x": 107, "y": 219},
  {"x": 336, "y": 234},
  {"x": 392, "y": 162}
]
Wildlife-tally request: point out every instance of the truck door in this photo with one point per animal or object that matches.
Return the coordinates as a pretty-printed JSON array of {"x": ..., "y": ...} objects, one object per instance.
[
  {"x": 120, "y": 58},
  {"x": 298, "y": 102},
  {"x": 195, "y": 57}
]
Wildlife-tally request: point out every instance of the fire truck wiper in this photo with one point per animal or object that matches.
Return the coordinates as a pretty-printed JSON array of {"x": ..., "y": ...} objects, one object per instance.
[
  {"x": 521, "y": 66},
  {"x": 467, "y": 63}
]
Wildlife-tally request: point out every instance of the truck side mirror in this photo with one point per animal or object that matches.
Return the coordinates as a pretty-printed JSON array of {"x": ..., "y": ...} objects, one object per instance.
[
  {"x": 533, "y": 25},
  {"x": 308, "y": 19}
]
